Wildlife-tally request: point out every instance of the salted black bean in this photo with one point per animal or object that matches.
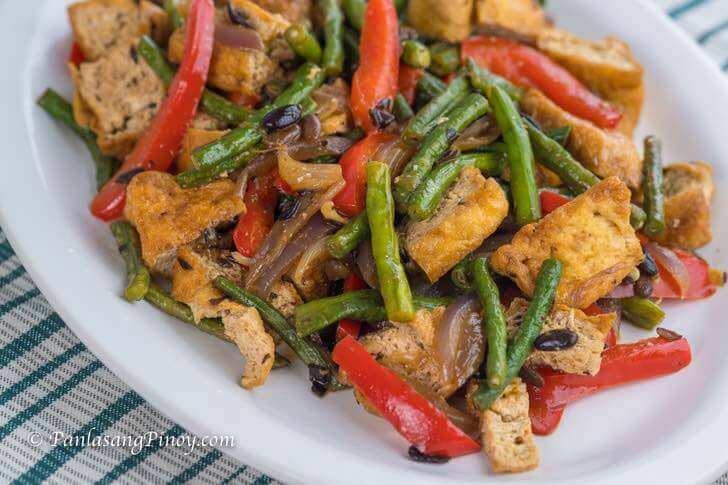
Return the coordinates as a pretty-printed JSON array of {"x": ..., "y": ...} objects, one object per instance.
[
  {"x": 282, "y": 117},
  {"x": 553, "y": 340}
]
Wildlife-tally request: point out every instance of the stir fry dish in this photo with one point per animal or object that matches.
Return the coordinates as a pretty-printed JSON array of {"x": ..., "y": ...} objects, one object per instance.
[{"x": 435, "y": 204}]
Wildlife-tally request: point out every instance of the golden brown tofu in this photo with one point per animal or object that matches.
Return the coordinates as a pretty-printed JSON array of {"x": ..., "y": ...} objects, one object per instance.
[
  {"x": 333, "y": 107},
  {"x": 506, "y": 432},
  {"x": 407, "y": 349},
  {"x": 168, "y": 217},
  {"x": 607, "y": 67},
  {"x": 192, "y": 276},
  {"x": 295, "y": 11},
  {"x": 446, "y": 20},
  {"x": 118, "y": 96},
  {"x": 688, "y": 194},
  {"x": 591, "y": 236},
  {"x": 231, "y": 69},
  {"x": 604, "y": 152},
  {"x": 583, "y": 358},
  {"x": 522, "y": 17},
  {"x": 193, "y": 139},
  {"x": 470, "y": 212},
  {"x": 101, "y": 25},
  {"x": 284, "y": 298}
]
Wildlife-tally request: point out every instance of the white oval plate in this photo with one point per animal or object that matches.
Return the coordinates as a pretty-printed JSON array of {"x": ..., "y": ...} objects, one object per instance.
[{"x": 671, "y": 430}]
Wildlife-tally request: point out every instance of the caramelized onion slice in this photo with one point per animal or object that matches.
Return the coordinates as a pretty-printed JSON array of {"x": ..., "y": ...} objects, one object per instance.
[
  {"x": 307, "y": 176},
  {"x": 459, "y": 344}
]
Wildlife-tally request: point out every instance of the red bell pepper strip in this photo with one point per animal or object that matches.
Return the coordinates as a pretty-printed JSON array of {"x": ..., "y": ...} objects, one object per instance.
[
  {"x": 621, "y": 364},
  {"x": 544, "y": 420},
  {"x": 76, "y": 56},
  {"x": 528, "y": 68},
  {"x": 353, "y": 163},
  {"x": 408, "y": 78},
  {"x": 261, "y": 197},
  {"x": 158, "y": 147},
  {"x": 411, "y": 414},
  {"x": 700, "y": 284},
  {"x": 550, "y": 201},
  {"x": 347, "y": 326},
  {"x": 378, "y": 73}
]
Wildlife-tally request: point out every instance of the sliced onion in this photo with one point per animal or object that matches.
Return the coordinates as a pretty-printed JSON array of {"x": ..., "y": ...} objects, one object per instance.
[
  {"x": 311, "y": 127},
  {"x": 263, "y": 274},
  {"x": 336, "y": 269},
  {"x": 396, "y": 154},
  {"x": 307, "y": 176},
  {"x": 312, "y": 259},
  {"x": 675, "y": 268},
  {"x": 459, "y": 344},
  {"x": 329, "y": 146},
  {"x": 479, "y": 134},
  {"x": 625, "y": 290},
  {"x": 259, "y": 165},
  {"x": 328, "y": 210},
  {"x": 238, "y": 37},
  {"x": 286, "y": 136},
  {"x": 365, "y": 263},
  {"x": 494, "y": 242}
]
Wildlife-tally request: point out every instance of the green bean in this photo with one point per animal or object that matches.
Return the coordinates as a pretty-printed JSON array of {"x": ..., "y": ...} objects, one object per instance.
[
  {"x": 61, "y": 110},
  {"x": 204, "y": 175},
  {"x": 654, "y": 203},
  {"x": 482, "y": 80},
  {"x": 461, "y": 274},
  {"x": 346, "y": 239},
  {"x": 306, "y": 350},
  {"x": 355, "y": 10},
  {"x": 472, "y": 107},
  {"x": 157, "y": 297},
  {"x": 175, "y": 18},
  {"x": 530, "y": 328},
  {"x": 445, "y": 58},
  {"x": 351, "y": 48},
  {"x": 393, "y": 282},
  {"x": 574, "y": 175},
  {"x": 524, "y": 189},
  {"x": 642, "y": 312},
  {"x": 400, "y": 6},
  {"x": 211, "y": 102},
  {"x": 361, "y": 305},
  {"x": 430, "y": 86},
  {"x": 130, "y": 249},
  {"x": 417, "y": 127},
  {"x": 427, "y": 196},
  {"x": 332, "y": 59},
  {"x": 402, "y": 110},
  {"x": 494, "y": 322},
  {"x": 303, "y": 43},
  {"x": 560, "y": 135},
  {"x": 308, "y": 77},
  {"x": 416, "y": 54}
]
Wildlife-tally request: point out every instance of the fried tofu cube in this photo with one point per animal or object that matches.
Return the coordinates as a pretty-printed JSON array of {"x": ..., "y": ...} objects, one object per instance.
[
  {"x": 604, "y": 152},
  {"x": 333, "y": 108},
  {"x": 591, "y": 236},
  {"x": 284, "y": 298},
  {"x": 522, "y": 17},
  {"x": 167, "y": 216},
  {"x": 195, "y": 138},
  {"x": 583, "y": 358},
  {"x": 192, "y": 277},
  {"x": 118, "y": 96},
  {"x": 268, "y": 24},
  {"x": 607, "y": 67},
  {"x": 295, "y": 11},
  {"x": 446, "y": 20},
  {"x": 688, "y": 194},
  {"x": 470, "y": 212},
  {"x": 506, "y": 432},
  {"x": 231, "y": 69},
  {"x": 101, "y": 25}
]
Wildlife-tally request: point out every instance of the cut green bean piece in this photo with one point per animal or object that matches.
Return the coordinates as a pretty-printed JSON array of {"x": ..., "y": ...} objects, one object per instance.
[
  {"x": 346, "y": 239},
  {"x": 654, "y": 197},
  {"x": 355, "y": 10},
  {"x": 642, "y": 312},
  {"x": 130, "y": 249},
  {"x": 543, "y": 299},
  {"x": 175, "y": 18},
  {"x": 445, "y": 58},
  {"x": 418, "y": 126},
  {"x": 204, "y": 175},
  {"x": 426, "y": 198},
  {"x": 429, "y": 86},
  {"x": 494, "y": 322},
  {"x": 482, "y": 80},
  {"x": 472, "y": 107},
  {"x": 157, "y": 297},
  {"x": 524, "y": 189},
  {"x": 303, "y": 43},
  {"x": 61, "y": 110},
  {"x": 560, "y": 135},
  {"x": 393, "y": 283},
  {"x": 332, "y": 59},
  {"x": 416, "y": 54},
  {"x": 402, "y": 110},
  {"x": 461, "y": 274}
]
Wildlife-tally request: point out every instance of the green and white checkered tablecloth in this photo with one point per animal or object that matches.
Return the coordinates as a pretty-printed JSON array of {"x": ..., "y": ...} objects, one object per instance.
[{"x": 50, "y": 382}]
